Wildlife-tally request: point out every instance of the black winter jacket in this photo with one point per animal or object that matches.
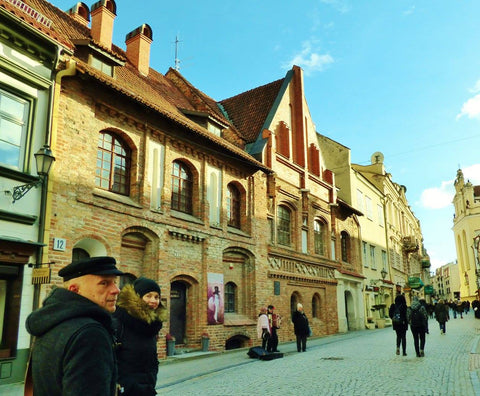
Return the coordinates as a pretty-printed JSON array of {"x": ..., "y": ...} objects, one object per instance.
[
  {"x": 300, "y": 323},
  {"x": 137, "y": 327},
  {"x": 73, "y": 351}
]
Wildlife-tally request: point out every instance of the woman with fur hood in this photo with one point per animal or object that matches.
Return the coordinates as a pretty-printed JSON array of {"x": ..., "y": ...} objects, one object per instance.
[{"x": 137, "y": 321}]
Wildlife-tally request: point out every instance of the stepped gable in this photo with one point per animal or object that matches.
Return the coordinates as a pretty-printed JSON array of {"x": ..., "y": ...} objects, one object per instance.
[{"x": 249, "y": 110}]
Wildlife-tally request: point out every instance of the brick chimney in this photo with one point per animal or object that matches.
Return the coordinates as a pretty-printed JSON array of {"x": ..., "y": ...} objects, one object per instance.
[
  {"x": 103, "y": 13},
  {"x": 80, "y": 13},
  {"x": 138, "y": 44}
]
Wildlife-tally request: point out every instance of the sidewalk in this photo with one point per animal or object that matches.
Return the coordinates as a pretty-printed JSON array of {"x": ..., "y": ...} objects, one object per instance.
[{"x": 183, "y": 367}]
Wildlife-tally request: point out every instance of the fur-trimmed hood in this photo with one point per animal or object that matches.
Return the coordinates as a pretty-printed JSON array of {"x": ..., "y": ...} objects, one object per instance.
[{"x": 131, "y": 302}]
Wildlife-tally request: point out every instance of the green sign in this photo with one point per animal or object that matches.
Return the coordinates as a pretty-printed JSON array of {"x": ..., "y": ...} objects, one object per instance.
[
  {"x": 415, "y": 283},
  {"x": 428, "y": 289}
]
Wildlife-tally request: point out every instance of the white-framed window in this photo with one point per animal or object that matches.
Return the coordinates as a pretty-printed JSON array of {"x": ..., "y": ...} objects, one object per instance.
[
  {"x": 381, "y": 219},
  {"x": 360, "y": 201},
  {"x": 214, "y": 129},
  {"x": 364, "y": 254},
  {"x": 373, "y": 265},
  {"x": 384, "y": 260},
  {"x": 102, "y": 66},
  {"x": 14, "y": 117},
  {"x": 368, "y": 207}
]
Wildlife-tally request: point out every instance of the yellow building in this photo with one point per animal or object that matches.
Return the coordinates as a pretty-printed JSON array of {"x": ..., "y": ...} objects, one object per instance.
[
  {"x": 407, "y": 258},
  {"x": 466, "y": 228}
]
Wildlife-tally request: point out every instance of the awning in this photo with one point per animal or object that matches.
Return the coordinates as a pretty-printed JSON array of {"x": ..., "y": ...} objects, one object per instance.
[{"x": 415, "y": 283}]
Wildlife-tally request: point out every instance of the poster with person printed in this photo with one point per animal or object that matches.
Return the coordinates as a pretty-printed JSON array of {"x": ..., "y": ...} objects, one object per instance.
[{"x": 215, "y": 309}]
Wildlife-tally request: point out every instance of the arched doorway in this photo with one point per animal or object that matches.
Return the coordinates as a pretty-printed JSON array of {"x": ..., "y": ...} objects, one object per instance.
[{"x": 178, "y": 310}]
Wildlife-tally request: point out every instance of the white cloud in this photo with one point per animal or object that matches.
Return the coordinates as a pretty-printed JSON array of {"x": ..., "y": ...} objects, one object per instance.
[
  {"x": 476, "y": 87},
  {"x": 340, "y": 5},
  {"x": 441, "y": 197},
  {"x": 472, "y": 174},
  {"x": 438, "y": 197},
  {"x": 409, "y": 11},
  {"x": 309, "y": 59},
  {"x": 471, "y": 108}
]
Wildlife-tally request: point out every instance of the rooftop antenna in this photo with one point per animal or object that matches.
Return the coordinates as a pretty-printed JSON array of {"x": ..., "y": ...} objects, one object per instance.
[{"x": 177, "y": 61}]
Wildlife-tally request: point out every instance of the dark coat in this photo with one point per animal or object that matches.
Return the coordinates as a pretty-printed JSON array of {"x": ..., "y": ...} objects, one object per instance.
[
  {"x": 73, "y": 350},
  {"x": 137, "y": 327},
  {"x": 403, "y": 314},
  {"x": 300, "y": 323},
  {"x": 441, "y": 312},
  {"x": 417, "y": 306}
]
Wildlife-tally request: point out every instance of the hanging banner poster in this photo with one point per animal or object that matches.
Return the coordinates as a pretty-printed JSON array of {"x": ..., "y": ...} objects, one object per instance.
[{"x": 215, "y": 308}]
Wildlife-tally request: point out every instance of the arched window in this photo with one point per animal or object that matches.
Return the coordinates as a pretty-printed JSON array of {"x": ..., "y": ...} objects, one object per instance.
[
  {"x": 113, "y": 164},
  {"x": 319, "y": 234},
  {"x": 182, "y": 186},
  {"x": 316, "y": 306},
  {"x": 79, "y": 254},
  {"x": 294, "y": 300},
  {"x": 284, "y": 224},
  {"x": 233, "y": 206},
  {"x": 230, "y": 294},
  {"x": 345, "y": 245}
]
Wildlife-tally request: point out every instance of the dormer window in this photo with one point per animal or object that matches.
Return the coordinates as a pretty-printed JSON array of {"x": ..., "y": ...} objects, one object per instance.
[
  {"x": 215, "y": 129},
  {"x": 101, "y": 65}
]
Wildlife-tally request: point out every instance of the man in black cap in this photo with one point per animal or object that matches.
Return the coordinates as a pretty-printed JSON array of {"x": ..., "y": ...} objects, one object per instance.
[{"x": 73, "y": 350}]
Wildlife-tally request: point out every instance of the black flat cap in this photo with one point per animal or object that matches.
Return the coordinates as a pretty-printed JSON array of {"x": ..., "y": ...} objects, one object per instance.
[{"x": 92, "y": 266}]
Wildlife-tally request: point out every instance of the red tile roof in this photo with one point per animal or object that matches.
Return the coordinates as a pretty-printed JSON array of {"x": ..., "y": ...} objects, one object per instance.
[
  {"x": 155, "y": 90},
  {"x": 249, "y": 110}
]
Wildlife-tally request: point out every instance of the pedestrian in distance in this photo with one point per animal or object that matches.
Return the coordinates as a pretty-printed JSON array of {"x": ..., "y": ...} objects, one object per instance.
[
  {"x": 137, "y": 321},
  {"x": 274, "y": 321},
  {"x": 441, "y": 315},
  {"x": 398, "y": 314},
  {"x": 301, "y": 328},
  {"x": 476, "y": 308},
  {"x": 73, "y": 352},
  {"x": 263, "y": 327},
  {"x": 418, "y": 321},
  {"x": 459, "y": 308}
]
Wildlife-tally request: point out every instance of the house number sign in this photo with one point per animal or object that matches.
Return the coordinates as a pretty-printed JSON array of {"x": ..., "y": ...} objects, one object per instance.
[{"x": 59, "y": 244}]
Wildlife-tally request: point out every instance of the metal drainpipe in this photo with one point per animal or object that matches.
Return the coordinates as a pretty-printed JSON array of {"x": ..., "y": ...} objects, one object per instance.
[{"x": 50, "y": 139}]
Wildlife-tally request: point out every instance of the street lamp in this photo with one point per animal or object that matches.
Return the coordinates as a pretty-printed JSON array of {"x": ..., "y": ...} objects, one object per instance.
[
  {"x": 383, "y": 272},
  {"x": 44, "y": 160}
]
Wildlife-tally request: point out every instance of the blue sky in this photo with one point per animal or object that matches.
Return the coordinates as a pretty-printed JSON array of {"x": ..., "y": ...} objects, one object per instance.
[{"x": 396, "y": 76}]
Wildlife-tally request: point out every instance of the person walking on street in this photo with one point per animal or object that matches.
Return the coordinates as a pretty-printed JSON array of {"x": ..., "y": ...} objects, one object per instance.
[
  {"x": 74, "y": 339},
  {"x": 418, "y": 320},
  {"x": 459, "y": 308},
  {"x": 398, "y": 314},
  {"x": 301, "y": 328},
  {"x": 442, "y": 316},
  {"x": 274, "y": 322},
  {"x": 137, "y": 321},
  {"x": 263, "y": 327}
]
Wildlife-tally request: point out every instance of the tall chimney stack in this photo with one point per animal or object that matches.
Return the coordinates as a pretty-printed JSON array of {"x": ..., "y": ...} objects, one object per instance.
[
  {"x": 103, "y": 14},
  {"x": 80, "y": 13},
  {"x": 138, "y": 44}
]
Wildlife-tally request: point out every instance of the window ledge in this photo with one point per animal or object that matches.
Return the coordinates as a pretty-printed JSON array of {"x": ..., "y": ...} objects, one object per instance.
[
  {"x": 116, "y": 197},
  {"x": 237, "y": 231},
  {"x": 186, "y": 217}
]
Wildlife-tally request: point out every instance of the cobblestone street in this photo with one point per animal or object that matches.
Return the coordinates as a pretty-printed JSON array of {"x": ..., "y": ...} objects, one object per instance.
[{"x": 358, "y": 363}]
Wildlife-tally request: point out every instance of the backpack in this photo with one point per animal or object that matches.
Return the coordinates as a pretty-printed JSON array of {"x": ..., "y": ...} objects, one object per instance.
[
  {"x": 417, "y": 318},
  {"x": 397, "y": 316}
]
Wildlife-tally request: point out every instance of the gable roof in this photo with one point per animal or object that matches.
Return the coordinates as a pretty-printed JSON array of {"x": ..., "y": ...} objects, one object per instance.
[
  {"x": 154, "y": 91},
  {"x": 249, "y": 110}
]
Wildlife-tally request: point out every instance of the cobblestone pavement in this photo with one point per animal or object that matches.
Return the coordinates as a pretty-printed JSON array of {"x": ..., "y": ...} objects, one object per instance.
[{"x": 356, "y": 363}]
